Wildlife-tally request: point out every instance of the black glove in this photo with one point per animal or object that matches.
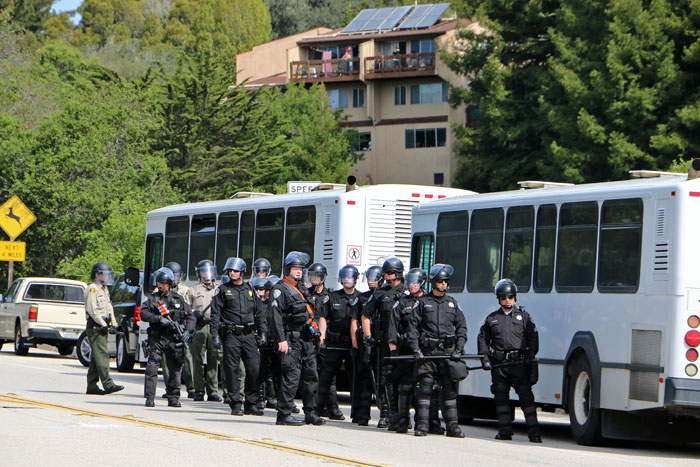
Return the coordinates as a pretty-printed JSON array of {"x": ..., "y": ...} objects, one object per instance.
[
  {"x": 187, "y": 337},
  {"x": 198, "y": 314},
  {"x": 369, "y": 341},
  {"x": 165, "y": 322},
  {"x": 455, "y": 356},
  {"x": 112, "y": 329},
  {"x": 485, "y": 364},
  {"x": 104, "y": 330},
  {"x": 419, "y": 355},
  {"x": 262, "y": 340},
  {"x": 216, "y": 341}
]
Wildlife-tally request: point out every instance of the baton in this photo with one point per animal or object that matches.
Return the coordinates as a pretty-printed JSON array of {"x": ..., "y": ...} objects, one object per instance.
[
  {"x": 433, "y": 357},
  {"x": 336, "y": 348}
]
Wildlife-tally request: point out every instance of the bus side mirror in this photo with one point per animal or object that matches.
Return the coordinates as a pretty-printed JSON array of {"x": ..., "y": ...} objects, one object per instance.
[{"x": 131, "y": 277}]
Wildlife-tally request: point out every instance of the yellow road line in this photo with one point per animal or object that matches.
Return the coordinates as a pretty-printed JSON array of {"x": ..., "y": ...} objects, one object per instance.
[{"x": 194, "y": 431}]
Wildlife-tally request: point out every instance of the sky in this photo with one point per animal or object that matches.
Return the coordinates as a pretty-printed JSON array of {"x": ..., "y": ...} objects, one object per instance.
[{"x": 59, "y": 6}]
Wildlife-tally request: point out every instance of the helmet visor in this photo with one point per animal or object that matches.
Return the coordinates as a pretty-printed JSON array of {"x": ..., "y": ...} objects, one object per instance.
[
  {"x": 207, "y": 273},
  {"x": 373, "y": 274},
  {"x": 316, "y": 277},
  {"x": 414, "y": 278},
  {"x": 106, "y": 276},
  {"x": 347, "y": 277},
  {"x": 235, "y": 264}
]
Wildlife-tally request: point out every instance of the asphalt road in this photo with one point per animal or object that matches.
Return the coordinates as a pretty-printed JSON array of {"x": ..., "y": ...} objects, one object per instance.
[{"x": 47, "y": 419}]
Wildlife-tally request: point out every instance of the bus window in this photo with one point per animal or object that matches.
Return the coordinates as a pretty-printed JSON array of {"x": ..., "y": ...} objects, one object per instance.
[
  {"x": 620, "y": 250},
  {"x": 301, "y": 230},
  {"x": 226, "y": 239},
  {"x": 451, "y": 245},
  {"x": 517, "y": 254},
  {"x": 545, "y": 240},
  {"x": 422, "y": 251},
  {"x": 177, "y": 236},
  {"x": 202, "y": 240},
  {"x": 154, "y": 258},
  {"x": 269, "y": 235},
  {"x": 576, "y": 250},
  {"x": 485, "y": 243},
  {"x": 247, "y": 238}
]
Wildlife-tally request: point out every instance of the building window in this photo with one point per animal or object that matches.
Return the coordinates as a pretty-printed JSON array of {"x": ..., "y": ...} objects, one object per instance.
[
  {"x": 426, "y": 138},
  {"x": 362, "y": 142},
  {"x": 399, "y": 95},
  {"x": 438, "y": 178},
  {"x": 338, "y": 98},
  {"x": 423, "y": 46},
  {"x": 428, "y": 93},
  {"x": 358, "y": 97}
]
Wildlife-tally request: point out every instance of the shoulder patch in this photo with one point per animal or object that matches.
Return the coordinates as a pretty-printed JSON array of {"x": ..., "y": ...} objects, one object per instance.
[
  {"x": 450, "y": 304},
  {"x": 277, "y": 293},
  {"x": 519, "y": 317},
  {"x": 326, "y": 298},
  {"x": 93, "y": 290},
  {"x": 353, "y": 302}
]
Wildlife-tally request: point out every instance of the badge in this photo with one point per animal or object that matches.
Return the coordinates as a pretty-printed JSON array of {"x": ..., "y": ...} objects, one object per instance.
[
  {"x": 177, "y": 305},
  {"x": 450, "y": 304},
  {"x": 250, "y": 292},
  {"x": 396, "y": 304},
  {"x": 277, "y": 293},
  {"x": 353, "y": 302}
]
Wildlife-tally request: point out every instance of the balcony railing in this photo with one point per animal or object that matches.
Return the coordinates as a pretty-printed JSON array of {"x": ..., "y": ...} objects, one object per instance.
[
  {"x": 338, "y": 69},
  {"x": 400, "y": 65}
]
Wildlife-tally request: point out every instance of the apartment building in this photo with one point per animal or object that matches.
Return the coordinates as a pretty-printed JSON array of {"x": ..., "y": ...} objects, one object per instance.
[{"x": 384, "y": 70}]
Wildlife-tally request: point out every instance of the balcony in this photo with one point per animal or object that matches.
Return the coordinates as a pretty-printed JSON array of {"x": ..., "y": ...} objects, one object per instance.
[
  {"x": 314, "y": 71},
  {"x": 400, "y": 66}
]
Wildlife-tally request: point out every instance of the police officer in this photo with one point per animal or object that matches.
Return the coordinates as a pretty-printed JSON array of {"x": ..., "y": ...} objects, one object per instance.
[
  {"x": 202, "y": 293},
  {"x": 185, "y": 292},
  {"x": 337, "y": 337},
  {"x": 236, "y": 314},
  {"x": 438, "y": 328},
  {"x": 100, "y": 321},
  {"x": 270, "y": 369},
  {"x": 363, "y": 380},
  {"x": 261, "y": 268},
  {"x": 171, "y": 324},
  {"x": 509, "y": 336},
  {"x": 377, "y": 314},
  {"x": 295, "y": 333}
]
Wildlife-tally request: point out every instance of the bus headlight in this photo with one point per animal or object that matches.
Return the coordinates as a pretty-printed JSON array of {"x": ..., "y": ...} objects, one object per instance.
[
  {"x": 691, "y": 370},
  {"x": 692, "y": 338}
]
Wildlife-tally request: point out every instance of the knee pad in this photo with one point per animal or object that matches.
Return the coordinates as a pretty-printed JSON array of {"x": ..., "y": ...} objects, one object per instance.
[
  {"x": 425, "y": 387},
  {"x": 388, "y": 372},
  {"x": 499, "y": 388},
  {"x": 406, "y": 389}
]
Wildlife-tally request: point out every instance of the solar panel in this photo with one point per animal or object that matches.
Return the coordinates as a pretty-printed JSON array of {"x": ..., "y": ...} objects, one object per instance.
[
  {"x": 415, "y": 16},
  {"x": 432, "y": 16},
  {"x": 360, "y": 20},
  {"x": 394, "y": 18},
  {"x": 378, "y": 18}
]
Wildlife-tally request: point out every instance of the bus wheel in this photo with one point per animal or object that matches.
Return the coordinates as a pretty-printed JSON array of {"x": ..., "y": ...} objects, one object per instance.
[{"x": 585, "y": 419}]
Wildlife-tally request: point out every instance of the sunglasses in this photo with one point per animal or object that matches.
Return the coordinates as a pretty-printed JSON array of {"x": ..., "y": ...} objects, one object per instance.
[{"x": 503, "y": 297}]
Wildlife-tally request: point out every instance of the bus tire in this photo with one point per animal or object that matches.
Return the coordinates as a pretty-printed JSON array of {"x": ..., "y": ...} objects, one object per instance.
[
  {"x": 585, "y": 420},
  {"x": 125, "y": 361},
  {"x": 83, "y": 349}
]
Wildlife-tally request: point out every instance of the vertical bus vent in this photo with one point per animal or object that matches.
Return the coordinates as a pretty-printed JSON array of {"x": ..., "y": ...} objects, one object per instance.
[
  {"x": 390, "y": 229},
  {"x": 327, "y": 226},
  {"x": 328, "y": 249},
  {"x": 646, "y": 350},
  {"x": 661, "y": 223},
  {"x": 661, "y": 256}
]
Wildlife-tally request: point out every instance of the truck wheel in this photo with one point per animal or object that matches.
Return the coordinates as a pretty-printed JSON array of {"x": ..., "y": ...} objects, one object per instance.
[
  {"x": 20, "y": 347},
  {"x": 65, "y": 349},
  {"x": 1, "y": 342},
  {"x": 585, "y": 419},
  {"x": 84, "y": 350},
  {"x": 125, "y": 361}
]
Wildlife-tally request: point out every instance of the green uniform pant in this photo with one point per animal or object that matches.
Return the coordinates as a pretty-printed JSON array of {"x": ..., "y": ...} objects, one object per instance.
[
  {"x": 99, "y": 360},
  {"x": 206, "y": 376},
  {"x": 186, "y": 371}
]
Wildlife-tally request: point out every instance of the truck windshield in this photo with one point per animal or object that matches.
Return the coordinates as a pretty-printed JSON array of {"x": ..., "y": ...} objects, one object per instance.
[{"x": 55, "y": 293}]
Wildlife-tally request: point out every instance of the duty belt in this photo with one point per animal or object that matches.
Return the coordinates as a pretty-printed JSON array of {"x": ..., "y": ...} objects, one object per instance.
[
  {"x": 437, "y": 343},
  {"x": 507, "y": 355},
  {"x": 238, "y": 329},
  {"x": 298, "y": 335}
]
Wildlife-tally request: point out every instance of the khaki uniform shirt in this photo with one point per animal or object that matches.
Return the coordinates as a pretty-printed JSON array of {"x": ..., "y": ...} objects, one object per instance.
[
  {"x": 98, "y": 306},
  {"x": 201, "y": 297}
]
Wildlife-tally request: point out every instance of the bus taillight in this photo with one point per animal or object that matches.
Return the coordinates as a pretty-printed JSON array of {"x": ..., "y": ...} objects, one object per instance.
[
  {"x": 691, "y": 370},
  {"x": 691, "y": 355},
  {"x": 692, "y": 338},
  {"x": 694, "y": 321}
]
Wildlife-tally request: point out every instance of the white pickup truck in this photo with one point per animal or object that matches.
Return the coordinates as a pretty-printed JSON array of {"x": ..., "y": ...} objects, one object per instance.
[{"x": 40, "y": 310}]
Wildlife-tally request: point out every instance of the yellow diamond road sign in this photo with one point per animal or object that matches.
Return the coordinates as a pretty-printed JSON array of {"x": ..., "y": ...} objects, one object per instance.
[
  {"x": 15, "y": 217},
  {"x": 12, "y": 251}
]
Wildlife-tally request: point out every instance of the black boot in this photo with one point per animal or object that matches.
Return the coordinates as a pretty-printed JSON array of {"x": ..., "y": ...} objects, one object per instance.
[
  {"x": 312, "y": 419},
  {"x": 422, "y": 409},
  {"x": 289, "y": 420},
  {"x": 435, "y": 426},
  {"x": 451, "y": 419},
  {"x": 404, "y": 407}
]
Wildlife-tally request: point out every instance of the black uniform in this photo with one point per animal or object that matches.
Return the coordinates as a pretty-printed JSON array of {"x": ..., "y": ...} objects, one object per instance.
[
  {"x": 270, "y": 368},
  {"x": 338, "y": 313},
  {"x": 511, "y": 337},
  {"x": 381, "y": 302},
  {"x": 438, "y": 327},
  {"x": 165, "y": 340},
  {"x": 292, "y": 313},
  {"x": 362, "y": 382},
  {"x": 329, "y": 405},
  {"x": 236, "y": 312}
]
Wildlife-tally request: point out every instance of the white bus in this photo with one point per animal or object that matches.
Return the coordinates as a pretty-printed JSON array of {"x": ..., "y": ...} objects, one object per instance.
[
  {"x": 610, "y": 273},
  {"x": 336, "y": 227}
]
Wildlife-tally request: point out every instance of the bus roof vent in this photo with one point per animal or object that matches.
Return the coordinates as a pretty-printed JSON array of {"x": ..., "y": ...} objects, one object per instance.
[
  {"x": 652, "y": 174},
  {"x": 328, "y": 186},
  {"x": 537, "y": 184},
  {"x": 248, "y": 194}
]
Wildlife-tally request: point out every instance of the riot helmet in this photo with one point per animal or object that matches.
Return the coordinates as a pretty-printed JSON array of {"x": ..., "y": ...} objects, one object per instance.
[
  {"x": 415, "y": 278},
  {"x": 177, "y": 271},
  {"x": 258, "y": 283},
  {"x": 206, "y": 270},
  {"x": 261, "y": 267},
  {"x": 440, "y": 272},
  {"x": 506, "y": 288},
  {"x": 294, "y": 259},
  {"x": 373, "y": 274},
  {"x": 393, "y": 265},
  {"x": 347, "y": 276},
  {"x": 164, "y": 275},
  {"x": 102, "y": 273},
  {"x": 234, "y": 264},
  {"x": 270, "y": 282},
  {"x": 317, "y": 273}
]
